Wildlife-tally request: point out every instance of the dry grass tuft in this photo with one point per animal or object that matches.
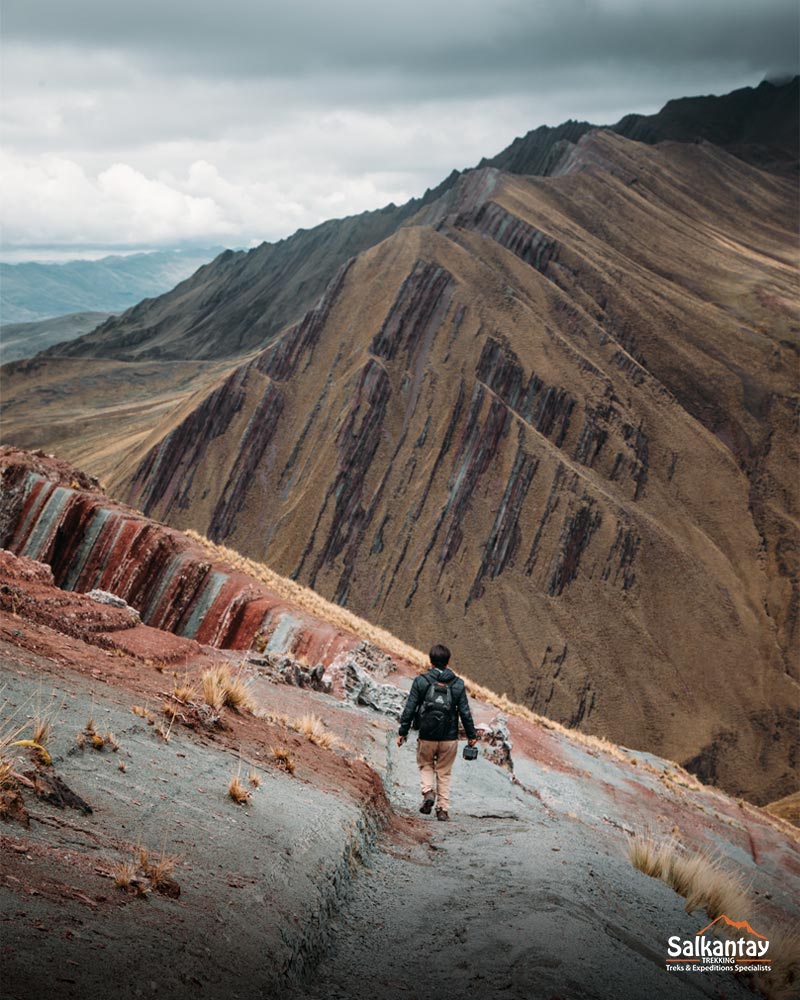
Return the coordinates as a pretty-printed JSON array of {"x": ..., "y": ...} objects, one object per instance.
[
  {"x": 42, "y": 730},
  {"x": 160, "y": 869},
  {"x": 213, "y": 694},
  {"x": 184, "y": 692},
  {"x": 276, "y": 720},
  {"x": 706, "y": 885},
  {"x": 254, "y": 778},
  {"x": 164, "y": 732},
  {"x": 314, "y": 730},
  {"x": 111, "y": 740},
  {"x": 699, "y": 878},
  {"x": 7, "y": 778},
  {"x": 139, "y": 710},
  {"x": 124, "y": 875},
  {"x": 221, "y": 688},
  {"x": 237, "y": 791},
  {"x": 283, "y": 757},
  {"x": 143, "y": 873}
]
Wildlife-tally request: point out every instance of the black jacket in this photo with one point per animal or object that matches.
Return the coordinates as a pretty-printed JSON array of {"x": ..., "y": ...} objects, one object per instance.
[{"x": 417, "y": 694}]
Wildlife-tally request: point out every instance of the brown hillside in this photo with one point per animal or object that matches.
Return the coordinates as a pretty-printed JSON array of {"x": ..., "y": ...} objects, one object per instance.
[{"x": 549, "y": 424}]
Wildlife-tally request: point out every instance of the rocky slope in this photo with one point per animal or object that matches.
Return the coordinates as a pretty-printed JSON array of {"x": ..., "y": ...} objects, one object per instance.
[{"x": 327, "y": 867}]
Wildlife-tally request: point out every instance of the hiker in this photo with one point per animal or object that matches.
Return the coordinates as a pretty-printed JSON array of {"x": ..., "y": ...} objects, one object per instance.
[{"x": 434, "y": 704}]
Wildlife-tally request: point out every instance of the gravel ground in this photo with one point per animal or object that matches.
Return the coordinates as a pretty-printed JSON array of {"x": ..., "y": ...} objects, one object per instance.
[{"x": 504, "y": 901}]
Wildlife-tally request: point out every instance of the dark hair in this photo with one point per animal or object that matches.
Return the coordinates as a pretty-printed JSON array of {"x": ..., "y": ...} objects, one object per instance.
[{"x": 439, "y": 656}]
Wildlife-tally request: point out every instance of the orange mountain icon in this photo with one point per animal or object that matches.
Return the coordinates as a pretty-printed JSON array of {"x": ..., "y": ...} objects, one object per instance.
[{"x": 739, "y": 925}]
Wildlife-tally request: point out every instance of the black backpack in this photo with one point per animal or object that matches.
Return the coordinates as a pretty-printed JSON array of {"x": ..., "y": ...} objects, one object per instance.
[{"x": 436, "y": 711}]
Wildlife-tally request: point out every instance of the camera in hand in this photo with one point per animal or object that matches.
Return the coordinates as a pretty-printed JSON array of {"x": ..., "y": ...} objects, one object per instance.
[{"x": 469, "y": 753}]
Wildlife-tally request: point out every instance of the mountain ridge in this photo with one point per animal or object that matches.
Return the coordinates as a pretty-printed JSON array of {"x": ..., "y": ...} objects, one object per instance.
[{"x": 284, "y": 279}]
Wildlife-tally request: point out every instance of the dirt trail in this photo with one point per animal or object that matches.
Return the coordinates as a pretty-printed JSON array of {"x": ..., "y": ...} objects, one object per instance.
[{"x": 499, "y": 903}]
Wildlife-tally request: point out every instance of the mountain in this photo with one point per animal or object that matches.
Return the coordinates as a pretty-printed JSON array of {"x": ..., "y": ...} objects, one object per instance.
[
  {"x": 143, "y": 805},
  {"x": 244, "y": 299},
  {"x": 548, "y": 421},
  {"x": 33, "y": 291},
  {"x": 23, "y": 340},
  {"x": 756, "y": 124}
]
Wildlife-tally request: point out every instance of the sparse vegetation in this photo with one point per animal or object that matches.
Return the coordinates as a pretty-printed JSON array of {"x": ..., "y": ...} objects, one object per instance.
[
  {"x": 782, "y": 982},
  {"x": 124, "y": 875},
  {"x": 90, "y": 736},
  {"x": 220, "y": 688},
  {"x": 164, "y": 732},
  {"x": 314, "y": 730},
  {"x": 699, "y": 878},
  {"x": 42, "y": 730},
  {"x": 254, "y": 778},
  {"x": 160, "y": 869},
  {"x": 184, "y": 692},
  {"x": 143, "y": 873},
  {"x": 705, "y": 884},
  {"x": 284, "y": 759},
  {"x": 237, "y": 791}
]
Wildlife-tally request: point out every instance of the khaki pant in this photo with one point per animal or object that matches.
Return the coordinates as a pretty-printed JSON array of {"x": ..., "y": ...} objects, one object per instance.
[{"x": 435, "y": 757}]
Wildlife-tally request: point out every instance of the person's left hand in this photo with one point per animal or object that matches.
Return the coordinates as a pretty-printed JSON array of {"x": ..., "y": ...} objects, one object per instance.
[
  {"x": 471, "y": 743},
  {"x": 401, "y": 740}
]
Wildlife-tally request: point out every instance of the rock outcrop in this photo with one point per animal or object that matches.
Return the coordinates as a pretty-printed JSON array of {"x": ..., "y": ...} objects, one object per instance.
[{"x": 82, "y": 541}]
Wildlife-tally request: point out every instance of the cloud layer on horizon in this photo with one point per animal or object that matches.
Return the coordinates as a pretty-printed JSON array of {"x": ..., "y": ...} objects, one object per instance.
[{"x": 152, "y": 124}]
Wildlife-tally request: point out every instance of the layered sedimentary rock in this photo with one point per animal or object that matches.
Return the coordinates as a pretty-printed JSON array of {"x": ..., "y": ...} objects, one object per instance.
[
  {"x": 550, "y": 425},
  {"x": 54, "y": 515}
]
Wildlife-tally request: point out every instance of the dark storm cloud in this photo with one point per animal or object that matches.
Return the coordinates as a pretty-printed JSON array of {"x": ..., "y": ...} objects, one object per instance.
[
  {"x": 419, "y": 45},
  {"x": 157, "y": 122}
]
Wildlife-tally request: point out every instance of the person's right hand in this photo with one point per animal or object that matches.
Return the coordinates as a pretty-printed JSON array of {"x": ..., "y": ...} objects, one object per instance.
[
  {"x": 401, "y": 740},
  {"x": 471, "y": 743}
]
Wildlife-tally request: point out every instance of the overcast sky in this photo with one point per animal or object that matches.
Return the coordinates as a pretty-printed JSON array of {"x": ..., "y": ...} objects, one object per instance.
[{"x": 162, "y": 122}]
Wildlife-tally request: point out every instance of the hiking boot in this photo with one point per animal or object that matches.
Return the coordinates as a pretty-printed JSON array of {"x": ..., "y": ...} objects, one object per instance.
[
  {"x": 427, "y": 805},
  {"x": 442, "y": 816}
]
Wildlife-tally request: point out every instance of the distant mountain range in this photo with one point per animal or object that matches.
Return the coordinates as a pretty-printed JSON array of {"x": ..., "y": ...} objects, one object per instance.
[
  {"x": 548, "y": 420},
  {"x": 23, "y": 340},
  {"x": 30, "y": 292}
]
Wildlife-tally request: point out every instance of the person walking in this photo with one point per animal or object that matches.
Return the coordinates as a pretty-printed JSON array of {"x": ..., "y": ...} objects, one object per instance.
[{"x": 437, "y": 700}]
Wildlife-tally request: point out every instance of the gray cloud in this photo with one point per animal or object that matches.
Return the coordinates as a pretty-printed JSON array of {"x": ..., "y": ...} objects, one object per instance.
[
  {"x": 186, "y": 119},
  {"x": 471, "y": 40}
]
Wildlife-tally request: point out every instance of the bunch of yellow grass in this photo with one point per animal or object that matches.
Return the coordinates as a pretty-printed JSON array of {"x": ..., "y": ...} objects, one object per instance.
[{"x": 220, "y": 688}]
